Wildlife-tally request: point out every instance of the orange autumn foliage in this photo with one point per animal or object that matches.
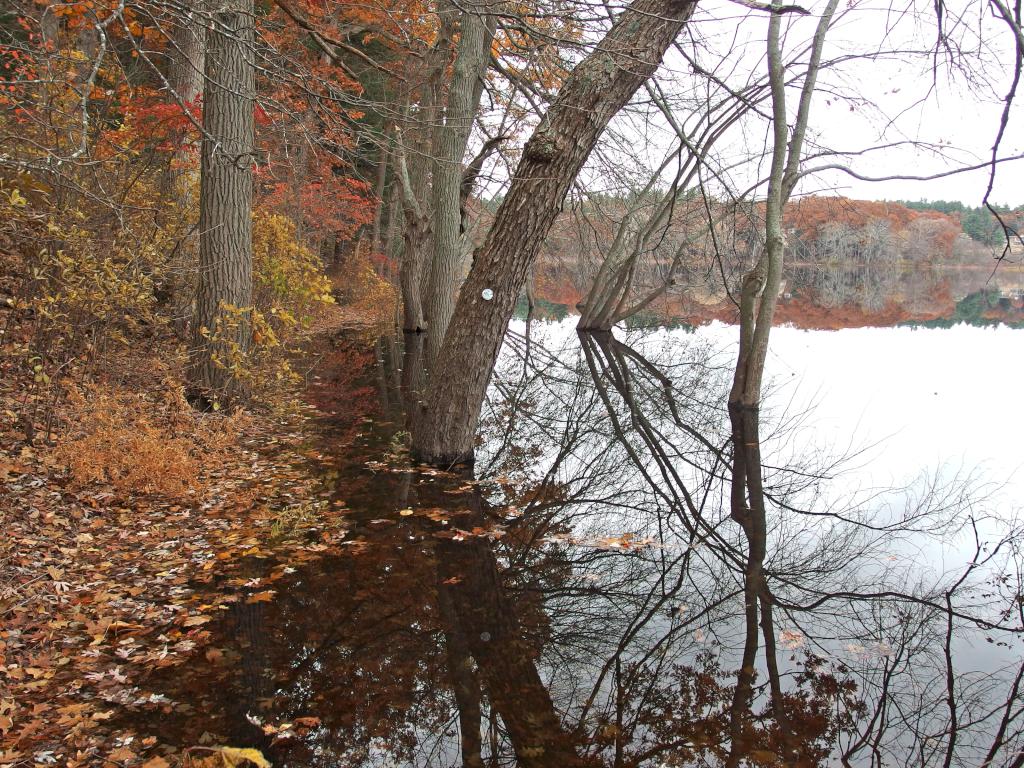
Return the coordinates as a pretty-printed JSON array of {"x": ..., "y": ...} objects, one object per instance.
[
  {"x": 809, "y": 214},
  {"x": 119, "y": 439}
]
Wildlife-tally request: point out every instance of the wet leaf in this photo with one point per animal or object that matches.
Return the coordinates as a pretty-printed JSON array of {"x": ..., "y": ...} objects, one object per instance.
[
  {"x": 261, "y": 597},
  {"x": 234, "y": 757}
]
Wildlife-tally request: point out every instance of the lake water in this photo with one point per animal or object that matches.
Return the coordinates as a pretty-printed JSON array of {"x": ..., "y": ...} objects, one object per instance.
[
  {"x": 903, "y": 402},
  {"x": 585, "y": 598}
]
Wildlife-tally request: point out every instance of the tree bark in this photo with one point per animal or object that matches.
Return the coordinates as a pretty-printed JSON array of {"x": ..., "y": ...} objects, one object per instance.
[
  {"x": 472, "y": 57},
  {"x": 416, "y": 238},
  {"x": 376, "y": 242},
  {"x": 188, "y": 56},
  {"x": 221, "y": 329},
  {"x": 188, "y": 53},
  {"x": 415, "y": 132},
  {"x": 598, "y": 87}
]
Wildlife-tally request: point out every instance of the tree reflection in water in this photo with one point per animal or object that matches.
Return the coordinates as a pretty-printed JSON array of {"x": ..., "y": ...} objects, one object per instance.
[{"x": 593, "y": 598}]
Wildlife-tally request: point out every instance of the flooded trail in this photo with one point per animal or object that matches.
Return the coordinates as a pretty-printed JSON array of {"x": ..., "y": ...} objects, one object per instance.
[
  {"x": 362, "y": 656},
  {"x": 579, "y": 602}
]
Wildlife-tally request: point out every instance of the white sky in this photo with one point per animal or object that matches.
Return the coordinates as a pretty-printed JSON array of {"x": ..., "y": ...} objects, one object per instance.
[
  {"x": 875, "y": 98},
  {"x": 960, "y": 114},
  {"x": 874, "y": 101}
]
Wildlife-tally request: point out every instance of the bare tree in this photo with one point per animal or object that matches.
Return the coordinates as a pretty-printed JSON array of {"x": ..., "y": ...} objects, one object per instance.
[
  {"x": 644, "y": 232},
  {"x": 758, "y": 297}
]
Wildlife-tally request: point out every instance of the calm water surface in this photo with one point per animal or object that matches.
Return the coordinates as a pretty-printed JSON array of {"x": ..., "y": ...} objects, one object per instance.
[{"x": 581, "y": 599}]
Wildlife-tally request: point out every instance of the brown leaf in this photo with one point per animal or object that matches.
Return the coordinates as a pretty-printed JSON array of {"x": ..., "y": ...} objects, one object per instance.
[{"x": 121, "y": 755}]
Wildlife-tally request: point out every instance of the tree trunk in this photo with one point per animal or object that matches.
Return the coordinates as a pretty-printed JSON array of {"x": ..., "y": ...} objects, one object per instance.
[
  {"x": 188, "y": 55},
  {"x": 188, "y": 52},
  {"x": 416, "y": 132},
  {"x": 473, "y": 55},
  {"x": 414, "y": 258},
  {"x": 376, "y": 242},
  {"x": 597, "y": 88},
  {"x": 221, "y": 330},
  {"x": 759, "y": 295},
  {"x": 416, "y": 239},
  {"x": 760, "y": 290}
]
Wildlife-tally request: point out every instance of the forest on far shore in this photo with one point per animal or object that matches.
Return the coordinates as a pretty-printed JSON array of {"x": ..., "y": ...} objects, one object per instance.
[{"x": 850, "y": 263}]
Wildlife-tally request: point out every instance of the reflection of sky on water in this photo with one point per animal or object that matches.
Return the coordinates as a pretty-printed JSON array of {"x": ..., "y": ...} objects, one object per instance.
[
  {"x": 899, "y": 402},
  {"x": 902, "y": 410},
  {"x": 566, "y": 620},
  {"x": 910, "y": 412},
  {"x": 919, "y": 399}
]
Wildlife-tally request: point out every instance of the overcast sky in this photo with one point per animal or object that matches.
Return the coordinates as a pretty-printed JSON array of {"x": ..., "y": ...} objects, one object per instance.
[
  {"x": 879, "y": 100},
  {"x": 942, "y": 117}
]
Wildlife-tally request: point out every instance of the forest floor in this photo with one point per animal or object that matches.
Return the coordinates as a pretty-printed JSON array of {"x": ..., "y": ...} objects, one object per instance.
[{"x": 113, "y": 525}]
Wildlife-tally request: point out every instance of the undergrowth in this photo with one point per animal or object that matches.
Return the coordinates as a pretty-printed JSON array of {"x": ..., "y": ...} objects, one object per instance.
[{"x": 138, "y": 444}]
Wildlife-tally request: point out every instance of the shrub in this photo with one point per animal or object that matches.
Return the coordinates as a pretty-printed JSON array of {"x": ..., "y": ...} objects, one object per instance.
[{"x": 124, "y": 441}]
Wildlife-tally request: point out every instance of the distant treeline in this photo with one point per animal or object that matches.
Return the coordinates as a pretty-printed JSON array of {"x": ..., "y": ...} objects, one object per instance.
[
  {"x": 977, "y": 222},
  {"x": 985, "y": 307}
]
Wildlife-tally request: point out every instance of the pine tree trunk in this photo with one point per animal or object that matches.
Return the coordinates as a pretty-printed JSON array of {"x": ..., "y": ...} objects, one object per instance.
[
  {"x": 221, "y": 329},
  {"x": 597, "y": 88}
]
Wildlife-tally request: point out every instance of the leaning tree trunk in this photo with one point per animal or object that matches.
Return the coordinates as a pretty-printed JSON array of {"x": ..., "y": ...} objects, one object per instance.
[
  {"x": 598, "y": 87},
  {"x": 221, "y": 330}
]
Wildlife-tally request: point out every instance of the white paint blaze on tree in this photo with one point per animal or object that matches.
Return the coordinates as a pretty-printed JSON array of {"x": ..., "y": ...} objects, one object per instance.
[
  {"x": 221, "y": 328},
  {"x": 594, "y": 92}
]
